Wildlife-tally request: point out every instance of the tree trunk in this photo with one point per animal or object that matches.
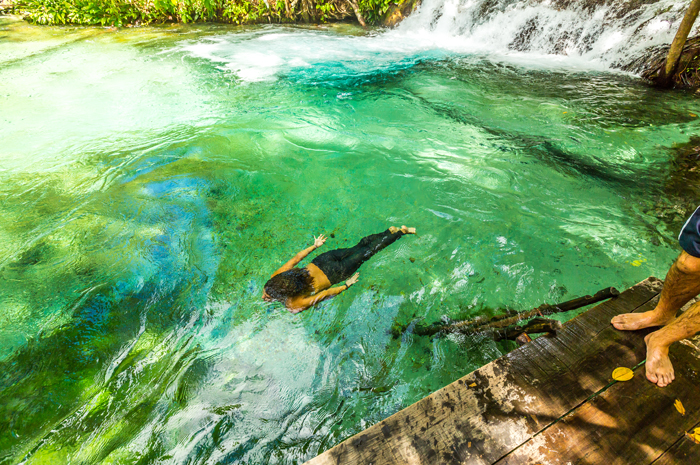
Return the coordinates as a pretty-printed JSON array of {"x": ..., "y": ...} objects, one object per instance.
[
  {"x": 307, "y": 13},
  {"x": 666, "y": 73},
  {"x": 356, "y": 8}
]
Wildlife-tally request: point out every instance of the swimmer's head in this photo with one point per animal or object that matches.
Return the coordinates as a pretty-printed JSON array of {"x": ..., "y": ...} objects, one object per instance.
[{"x": 288, "y": 284}]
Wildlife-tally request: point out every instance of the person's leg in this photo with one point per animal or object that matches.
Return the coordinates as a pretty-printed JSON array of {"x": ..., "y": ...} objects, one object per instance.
[
  {"x": 370, "y": 245},
  {"x": 682, "y": 284},
  {"x": 658, "y": 365}
]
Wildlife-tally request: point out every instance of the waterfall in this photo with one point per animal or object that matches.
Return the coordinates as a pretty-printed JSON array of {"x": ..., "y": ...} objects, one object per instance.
[
  {"x": 611, "y": 33},
  {"x": 561, "y": 34}
]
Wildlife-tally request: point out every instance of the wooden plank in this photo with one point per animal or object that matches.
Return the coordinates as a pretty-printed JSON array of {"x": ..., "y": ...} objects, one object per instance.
[
  {"x": 685, "y": 450},
  {"x": 631, "y": 422},
  {"x": 484, "y": 415}
]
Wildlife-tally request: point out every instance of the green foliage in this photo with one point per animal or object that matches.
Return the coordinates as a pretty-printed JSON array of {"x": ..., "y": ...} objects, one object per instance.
[
  {"x": 325, "y": 9},
  {"x": 374, "y": 11},
  {"x": 241, "y": 12},
  {"x": 135, "y": 12},
  {"x": 102, "y": 12},
  {"x": 118, "y": 12}
]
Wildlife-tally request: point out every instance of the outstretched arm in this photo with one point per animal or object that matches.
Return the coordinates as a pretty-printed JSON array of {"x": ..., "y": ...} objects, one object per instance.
[
  {"x": 303, "y": 303},
  {"x": 318, "y": 242}
]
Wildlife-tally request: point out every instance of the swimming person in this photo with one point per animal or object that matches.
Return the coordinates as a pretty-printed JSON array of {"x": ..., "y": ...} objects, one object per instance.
[{"x": 301, "y": 288}]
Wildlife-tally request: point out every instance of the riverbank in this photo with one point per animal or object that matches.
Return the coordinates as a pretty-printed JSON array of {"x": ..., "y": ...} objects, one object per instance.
[{"x": 121, "y": 13}]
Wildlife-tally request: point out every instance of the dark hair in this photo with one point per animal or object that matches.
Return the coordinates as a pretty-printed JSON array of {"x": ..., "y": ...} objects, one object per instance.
[{"x": 289, "y": 284}]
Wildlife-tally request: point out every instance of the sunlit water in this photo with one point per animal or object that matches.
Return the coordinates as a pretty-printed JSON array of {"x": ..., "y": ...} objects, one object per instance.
[{"x": 151, "y": 180}]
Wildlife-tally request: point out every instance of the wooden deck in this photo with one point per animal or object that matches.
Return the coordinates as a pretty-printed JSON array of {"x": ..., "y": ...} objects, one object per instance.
[{"x": 551, "y": 401}]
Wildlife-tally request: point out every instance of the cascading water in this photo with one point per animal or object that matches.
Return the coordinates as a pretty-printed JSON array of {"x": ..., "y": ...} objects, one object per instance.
[
  {"x": 587, "y": 35},
  {"x": 608, "y": 33}
]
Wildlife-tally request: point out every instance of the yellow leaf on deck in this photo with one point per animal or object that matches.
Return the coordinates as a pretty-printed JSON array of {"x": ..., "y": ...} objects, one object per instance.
[
  {"x": 679, "y": 406},
  {"x": 695, "y": 435},
  {"x": 622, "y": 374},
  {"x": 472, "y": 385}
]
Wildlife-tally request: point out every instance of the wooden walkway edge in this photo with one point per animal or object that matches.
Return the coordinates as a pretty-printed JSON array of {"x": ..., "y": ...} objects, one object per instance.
[{"x": 551, "y": 401}]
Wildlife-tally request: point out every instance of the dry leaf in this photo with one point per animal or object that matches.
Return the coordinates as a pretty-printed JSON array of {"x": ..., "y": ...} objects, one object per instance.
[
  {"x": 470, "y": 443},
  {"x": 622, "y": 374},
  {"x": 679, "y": 406},
  {"x": 472, "y": 385},
  {"x": 695, "y": 435}
]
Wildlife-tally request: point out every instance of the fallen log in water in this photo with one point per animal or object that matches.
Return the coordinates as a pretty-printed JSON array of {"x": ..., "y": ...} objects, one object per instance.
[
  {"x": 534, "y": 326},
  {"x": 499, "y": 325}
]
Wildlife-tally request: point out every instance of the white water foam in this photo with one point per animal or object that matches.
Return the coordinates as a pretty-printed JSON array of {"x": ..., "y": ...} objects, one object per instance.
[
  {"x": 267, "y": 53},
  {"x": 611, "y": 35},
  {"x": 530, "y": 33}
]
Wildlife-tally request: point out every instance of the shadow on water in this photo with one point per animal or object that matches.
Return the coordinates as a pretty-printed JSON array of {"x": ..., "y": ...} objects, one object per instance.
[
  {"x": 547, "y": 152},
  {"x": 669, "y": 175},
  {"x": 599, "y": 94}
]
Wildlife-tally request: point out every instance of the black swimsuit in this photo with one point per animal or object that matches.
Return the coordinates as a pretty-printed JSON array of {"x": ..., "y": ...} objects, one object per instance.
[{"x": 339, "y": 264}]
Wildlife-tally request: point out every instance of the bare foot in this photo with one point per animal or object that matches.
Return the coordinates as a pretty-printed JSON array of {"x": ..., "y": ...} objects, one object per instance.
[
  {"x": 633, "y": 321},
  {"x": 406, "y": 230},
  {"x": 658, "y": 365}
]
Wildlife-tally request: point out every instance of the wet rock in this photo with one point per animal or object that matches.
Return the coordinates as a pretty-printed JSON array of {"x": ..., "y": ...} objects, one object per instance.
[
  {"x": 687, "y": 75},
  {"x": 397, "y": 13}
]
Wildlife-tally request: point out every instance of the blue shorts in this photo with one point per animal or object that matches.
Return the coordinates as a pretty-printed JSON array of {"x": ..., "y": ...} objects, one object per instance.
[{"x": 689, "y": 238}]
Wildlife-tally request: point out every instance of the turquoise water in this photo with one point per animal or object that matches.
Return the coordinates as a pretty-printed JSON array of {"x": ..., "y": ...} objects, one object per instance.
[{"x": 152, "y": 179}]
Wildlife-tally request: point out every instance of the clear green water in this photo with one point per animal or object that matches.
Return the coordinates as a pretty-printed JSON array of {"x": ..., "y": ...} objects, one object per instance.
[{"x": 152, "y": 179}]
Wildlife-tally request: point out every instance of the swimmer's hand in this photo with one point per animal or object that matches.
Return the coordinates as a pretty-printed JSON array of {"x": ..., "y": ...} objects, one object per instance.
[
  {"x": 352, "y": 279},
  {"x": 318, "y": 241}
]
